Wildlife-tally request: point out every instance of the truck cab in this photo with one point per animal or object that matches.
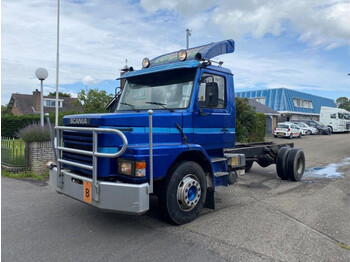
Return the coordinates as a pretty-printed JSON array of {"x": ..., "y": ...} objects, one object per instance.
[{"x": 168, "y": 136}]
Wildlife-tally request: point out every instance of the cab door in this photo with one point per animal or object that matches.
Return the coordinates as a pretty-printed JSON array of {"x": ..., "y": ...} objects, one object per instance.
[{"x": 214, "y": 123}]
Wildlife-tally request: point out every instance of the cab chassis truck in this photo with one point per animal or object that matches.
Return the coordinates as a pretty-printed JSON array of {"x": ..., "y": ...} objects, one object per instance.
[{"x": 172, "y": 136}]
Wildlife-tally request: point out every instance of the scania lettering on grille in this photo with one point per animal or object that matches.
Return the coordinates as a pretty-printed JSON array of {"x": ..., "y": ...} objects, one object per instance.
[{"x": 78, "y": 121}]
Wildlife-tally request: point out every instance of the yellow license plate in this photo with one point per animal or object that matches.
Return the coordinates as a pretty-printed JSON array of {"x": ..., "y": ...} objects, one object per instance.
[
  {"x": 87, "y": 192},
  {"x": 281, "y": 134}
]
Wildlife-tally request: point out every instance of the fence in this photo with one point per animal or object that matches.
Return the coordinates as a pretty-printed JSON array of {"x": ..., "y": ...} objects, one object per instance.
[{"x": 13, "y": 152}]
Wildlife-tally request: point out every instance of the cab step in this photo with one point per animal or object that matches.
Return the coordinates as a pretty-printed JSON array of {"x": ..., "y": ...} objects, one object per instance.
[
  {"x": 218, "y": 159},
  {"x": 219, "y": 174}
]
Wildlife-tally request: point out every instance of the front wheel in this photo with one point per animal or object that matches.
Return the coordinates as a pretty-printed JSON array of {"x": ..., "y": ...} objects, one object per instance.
[{"x": 183, "y": 193}]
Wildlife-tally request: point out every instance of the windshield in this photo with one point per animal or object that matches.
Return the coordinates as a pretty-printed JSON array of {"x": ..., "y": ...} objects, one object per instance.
[
  {"x": 346, "y": 116},
  {"x": 164, "y": 90}
]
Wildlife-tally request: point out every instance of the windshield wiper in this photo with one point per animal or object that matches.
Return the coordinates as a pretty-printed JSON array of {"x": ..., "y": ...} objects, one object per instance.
[
  {"x": 160, "y": 104},
  {"x": 132, "y": 106}
]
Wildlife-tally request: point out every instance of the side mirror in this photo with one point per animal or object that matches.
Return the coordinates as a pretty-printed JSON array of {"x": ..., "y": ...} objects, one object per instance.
[
  {"x": 211, "y": 94},
  {"x": 116, "y": 91}
]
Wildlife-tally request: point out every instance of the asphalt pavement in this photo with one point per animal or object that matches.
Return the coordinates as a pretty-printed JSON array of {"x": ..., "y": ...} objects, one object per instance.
[{"x": 260, "y": 218}]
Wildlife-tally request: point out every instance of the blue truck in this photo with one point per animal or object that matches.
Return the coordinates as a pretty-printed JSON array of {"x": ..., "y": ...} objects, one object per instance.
[{"x": 172, "y": 136}]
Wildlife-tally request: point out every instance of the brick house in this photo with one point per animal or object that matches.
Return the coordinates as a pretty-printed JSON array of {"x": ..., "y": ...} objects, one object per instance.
[{"x": 21, "y": 104}]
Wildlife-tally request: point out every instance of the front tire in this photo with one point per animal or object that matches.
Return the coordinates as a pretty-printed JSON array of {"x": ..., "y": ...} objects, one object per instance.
[{"x": 183, "y": 194}]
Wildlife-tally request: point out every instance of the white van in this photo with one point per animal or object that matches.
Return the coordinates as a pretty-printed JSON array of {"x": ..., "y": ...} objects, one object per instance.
[{"x": 337, "y": 119}]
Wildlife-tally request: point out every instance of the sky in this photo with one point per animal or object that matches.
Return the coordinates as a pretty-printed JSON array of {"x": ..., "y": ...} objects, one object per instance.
[{"x": 303, "y": 45}]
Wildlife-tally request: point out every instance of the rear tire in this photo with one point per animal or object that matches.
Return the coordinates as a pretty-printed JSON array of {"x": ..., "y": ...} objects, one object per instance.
[
  {"x": 291, "y": 136},
  {"x": 183, "y": 193},
  {"x": 281, "y": 162},
  {"x": 275, "y": 136},
  {"x": 295, "y": 164},
  {"x": 248, "y": 166}
]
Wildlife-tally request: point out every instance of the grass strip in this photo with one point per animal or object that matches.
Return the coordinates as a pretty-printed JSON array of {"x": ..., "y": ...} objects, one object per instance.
[{"x": 22, "y": 175}]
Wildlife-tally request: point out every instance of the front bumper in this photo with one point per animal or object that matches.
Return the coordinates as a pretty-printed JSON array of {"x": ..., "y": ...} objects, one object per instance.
[
  {"x": 281, "y": 133},
  {"x": 113, "y": 196}
]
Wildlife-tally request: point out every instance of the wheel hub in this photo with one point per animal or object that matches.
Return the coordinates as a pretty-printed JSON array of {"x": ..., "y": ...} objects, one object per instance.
[{"x": 188, "y": 192}]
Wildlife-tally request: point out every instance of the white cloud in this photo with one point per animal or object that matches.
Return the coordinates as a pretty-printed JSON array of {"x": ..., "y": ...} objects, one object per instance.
[
  {"x": 97, "y": 36},
  {"x": 95, "y": 39},
  {"x": 89, "y": 81},
  {"x": 317, "y": 22}
]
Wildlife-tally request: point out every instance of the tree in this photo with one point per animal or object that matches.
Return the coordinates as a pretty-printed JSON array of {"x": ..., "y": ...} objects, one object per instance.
[
  {"x": 343, "y": 102},
  {"x": 250, "y": 126},
  {"x": 3, "y": 110},
  {"x": 94, "y": 100},
  {"x": 60, "y": 94}
]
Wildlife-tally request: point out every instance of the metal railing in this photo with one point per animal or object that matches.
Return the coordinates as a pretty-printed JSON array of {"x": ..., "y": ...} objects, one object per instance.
[
  {"x": 94, "y": 153},
  {"x": 13, "y": 152}
]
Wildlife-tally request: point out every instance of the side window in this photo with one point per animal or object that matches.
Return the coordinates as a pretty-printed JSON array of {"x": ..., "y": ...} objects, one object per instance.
[
  {"x": 334, "y": 115},
  {"x": 220, "y": 81}
]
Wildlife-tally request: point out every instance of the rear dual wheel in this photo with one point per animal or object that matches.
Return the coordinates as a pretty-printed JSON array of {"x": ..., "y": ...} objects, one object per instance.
[
  {"x": 295, "y": 164},
  {"x": 290, "y": 163},
  {"x": 281, "y": 162}
]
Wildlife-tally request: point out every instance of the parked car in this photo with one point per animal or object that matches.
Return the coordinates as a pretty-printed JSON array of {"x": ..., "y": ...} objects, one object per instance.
[
  {"x": 287, "y": 129},
  {"x": 322, "y": 129},
  {"x": 308, "y": 130}
]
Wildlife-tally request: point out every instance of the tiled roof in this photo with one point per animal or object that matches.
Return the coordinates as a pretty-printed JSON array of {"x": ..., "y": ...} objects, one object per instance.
[
  {"x": 26, "y": 107},
  {"x": 281, "y": 99}
]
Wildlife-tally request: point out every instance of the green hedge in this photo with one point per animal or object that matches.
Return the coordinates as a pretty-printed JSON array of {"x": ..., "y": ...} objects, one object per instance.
[
  {"x": 250, "y": 125},
  {"x": 11, "y": 124}
]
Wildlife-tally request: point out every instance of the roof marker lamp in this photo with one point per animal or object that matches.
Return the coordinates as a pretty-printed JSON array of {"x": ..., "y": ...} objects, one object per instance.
[
  {"x": 182, "y": 55},
  {"x": 145, "y": 62}
]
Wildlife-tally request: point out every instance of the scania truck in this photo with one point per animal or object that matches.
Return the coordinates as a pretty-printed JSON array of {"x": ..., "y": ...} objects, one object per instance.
[{"x": 172, "y": 136}]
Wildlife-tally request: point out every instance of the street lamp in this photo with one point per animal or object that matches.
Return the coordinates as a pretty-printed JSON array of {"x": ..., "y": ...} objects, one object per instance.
[
  {"x": 41, "y": 74},
  {"x": 188, "y": 34}
]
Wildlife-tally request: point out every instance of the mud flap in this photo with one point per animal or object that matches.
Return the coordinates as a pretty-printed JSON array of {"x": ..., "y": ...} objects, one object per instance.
[{"x": 210, "y": 200}]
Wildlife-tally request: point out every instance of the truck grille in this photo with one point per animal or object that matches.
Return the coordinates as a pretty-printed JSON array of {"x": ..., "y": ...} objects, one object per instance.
[{"x": 77, "y": 140}]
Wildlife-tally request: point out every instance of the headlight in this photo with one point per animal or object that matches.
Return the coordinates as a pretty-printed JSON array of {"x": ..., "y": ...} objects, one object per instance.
[
  {"x": 125, "y": 167},
  {"x": 132, "y": 168}
]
